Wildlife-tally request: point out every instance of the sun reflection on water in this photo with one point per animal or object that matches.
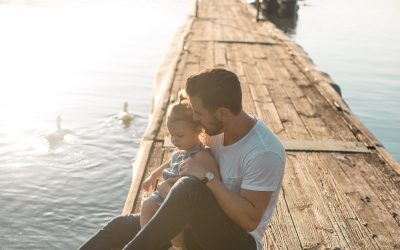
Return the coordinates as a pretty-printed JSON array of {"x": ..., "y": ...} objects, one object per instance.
[{"x": 47, "y": 55}]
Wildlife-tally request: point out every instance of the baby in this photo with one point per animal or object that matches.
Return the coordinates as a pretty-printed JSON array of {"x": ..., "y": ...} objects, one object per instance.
[{"x": 185, "y": 136}]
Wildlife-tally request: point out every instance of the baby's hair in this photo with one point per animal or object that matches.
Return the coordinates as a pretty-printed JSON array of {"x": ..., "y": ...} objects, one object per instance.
[{"x": 181, "y": 110}]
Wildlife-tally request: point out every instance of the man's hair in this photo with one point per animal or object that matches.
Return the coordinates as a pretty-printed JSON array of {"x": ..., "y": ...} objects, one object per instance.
[{"x": 216, "y": 88}]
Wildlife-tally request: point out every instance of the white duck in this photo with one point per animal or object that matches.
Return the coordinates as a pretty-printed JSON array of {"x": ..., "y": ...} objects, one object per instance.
[
  {"x": 125, "y": 117},
  {"x": 58, "y": 134}
]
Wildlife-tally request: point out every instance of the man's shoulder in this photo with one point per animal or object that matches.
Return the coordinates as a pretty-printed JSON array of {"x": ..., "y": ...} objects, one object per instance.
[{"x": 265, "y": 137}]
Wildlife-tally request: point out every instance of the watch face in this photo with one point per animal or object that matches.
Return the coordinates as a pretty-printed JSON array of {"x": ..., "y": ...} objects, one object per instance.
[{"x": 209, "y": 176}]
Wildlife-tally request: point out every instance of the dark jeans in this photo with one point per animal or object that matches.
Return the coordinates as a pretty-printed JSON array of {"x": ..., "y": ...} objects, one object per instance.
[{"x": 189, "y": 202}]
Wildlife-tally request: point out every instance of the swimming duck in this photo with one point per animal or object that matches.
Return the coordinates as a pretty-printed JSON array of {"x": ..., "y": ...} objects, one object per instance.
[
  {"x": 58, "y": 134},
  {"x": 125, "y": 117}
]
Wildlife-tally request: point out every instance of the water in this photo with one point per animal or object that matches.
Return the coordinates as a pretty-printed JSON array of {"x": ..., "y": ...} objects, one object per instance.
[
  {"x": 357, "y": 43},
  {"x": 79, "y": 59}
]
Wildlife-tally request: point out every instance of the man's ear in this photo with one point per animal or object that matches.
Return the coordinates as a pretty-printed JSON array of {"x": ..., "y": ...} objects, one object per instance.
[{"x": 222, "y": 113}]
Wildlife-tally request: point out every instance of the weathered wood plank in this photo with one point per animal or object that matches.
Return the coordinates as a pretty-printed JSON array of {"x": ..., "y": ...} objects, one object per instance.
[
  {"x": 310, "y": 217},
  {"x": 266, "y": 109},
  {"x": 325, "y": 146},
  {"x": 190, "y": 69},
  {"x": 234, "y": 63},
  {"x": 307, "y": 112},
  {"x": 368, "y": 209},
  {"x": 207, "y": 56},
  {"x": 374, "y": 171},
  {"x": 220, "y": 55},
  {"x": 342, "y": 214},
  {"x": 310, "y": 105},
  {"x": 152, "y": 162},
  {"x": 281, "y": 233},
  {"x": 291, "y": 120}
]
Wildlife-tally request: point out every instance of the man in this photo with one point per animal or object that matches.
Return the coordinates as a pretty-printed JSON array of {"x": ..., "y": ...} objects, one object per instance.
[{"x": 231, "y": 213}]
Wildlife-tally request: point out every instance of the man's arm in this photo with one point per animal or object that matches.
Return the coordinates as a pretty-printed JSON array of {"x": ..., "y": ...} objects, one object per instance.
[{"x": 246, "y": 209}]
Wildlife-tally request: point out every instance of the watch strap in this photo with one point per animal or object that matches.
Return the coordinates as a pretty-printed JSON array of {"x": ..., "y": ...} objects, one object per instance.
[{"x": 205, "y": 180}]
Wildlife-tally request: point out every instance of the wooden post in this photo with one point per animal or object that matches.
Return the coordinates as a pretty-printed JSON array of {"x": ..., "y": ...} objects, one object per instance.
[{"x": 258, "y": 9}]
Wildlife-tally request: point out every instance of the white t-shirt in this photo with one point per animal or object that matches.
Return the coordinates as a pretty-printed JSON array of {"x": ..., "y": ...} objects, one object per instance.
[{"x": 255, "y": 162}]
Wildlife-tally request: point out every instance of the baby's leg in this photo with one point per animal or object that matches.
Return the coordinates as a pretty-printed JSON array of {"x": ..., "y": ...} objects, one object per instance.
[{"x": 149, "y": 208}]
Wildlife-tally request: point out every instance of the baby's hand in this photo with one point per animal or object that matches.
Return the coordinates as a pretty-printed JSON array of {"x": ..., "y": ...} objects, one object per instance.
[{"x": 149, "y": 183}]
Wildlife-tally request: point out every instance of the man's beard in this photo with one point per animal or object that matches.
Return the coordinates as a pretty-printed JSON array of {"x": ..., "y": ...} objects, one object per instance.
[{"x": 215, "y": 128}]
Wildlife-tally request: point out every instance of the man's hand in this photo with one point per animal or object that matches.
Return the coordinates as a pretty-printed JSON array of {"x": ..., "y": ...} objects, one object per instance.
[{"x": 190, "y": 167}]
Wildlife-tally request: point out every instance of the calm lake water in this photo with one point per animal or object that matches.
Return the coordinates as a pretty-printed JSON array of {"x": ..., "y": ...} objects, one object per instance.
[{"x": 82, "y": 59}]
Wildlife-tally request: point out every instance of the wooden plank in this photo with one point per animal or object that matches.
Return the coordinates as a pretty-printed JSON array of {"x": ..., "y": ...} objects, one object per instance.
[
  {"x": 266, "y": 109},
  {"x": 247, "y": 100},
  {"x": 307, "y": 112},
  {"x": 234, "y": 63},
  {"x": 374, "y": 171},
  {"x": 154, "y": 160},
  {"x": 163, "y": 131},
  {"x": 252, "y": 72},
  {"x": 281, "y": 233},
  {"x": 217, "y": 32},
  {"x": 267, "y": 69},
  {"x": 368, "y": 209},
  {"x": 290, "y": 119},
  {"x": 310, "y": 105},
  {"x": 343, "y": 216},
  {"x": 310, "y": 217},
  {"x": 310, "y": 146},
  {"x": 220, "y": 55},
  {"x": 325, "y": 146},
  {"x": 190, "y": 69},
  {"x": 207, "y": 56},
  {"x": 237, "y": 41}
]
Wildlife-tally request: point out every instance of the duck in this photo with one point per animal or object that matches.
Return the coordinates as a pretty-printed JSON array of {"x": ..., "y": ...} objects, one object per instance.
[
  {"x": 125, "y": 117},
  {"x": 58, "y": 134}
]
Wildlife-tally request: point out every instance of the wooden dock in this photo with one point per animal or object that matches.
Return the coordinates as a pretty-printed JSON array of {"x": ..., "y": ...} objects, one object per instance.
[{"x": 341, "y": 187}]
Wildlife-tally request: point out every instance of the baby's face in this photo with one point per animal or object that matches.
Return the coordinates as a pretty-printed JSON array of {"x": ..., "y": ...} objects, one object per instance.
[{"x": 183, "y": 136}]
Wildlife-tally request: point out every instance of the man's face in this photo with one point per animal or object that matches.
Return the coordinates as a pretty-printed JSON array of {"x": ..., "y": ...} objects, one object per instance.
[{"x": 210, "y": 123}]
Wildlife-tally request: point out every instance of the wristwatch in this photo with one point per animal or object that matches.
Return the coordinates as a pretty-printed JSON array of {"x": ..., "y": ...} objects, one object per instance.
[{"x": 209, "y": 176}]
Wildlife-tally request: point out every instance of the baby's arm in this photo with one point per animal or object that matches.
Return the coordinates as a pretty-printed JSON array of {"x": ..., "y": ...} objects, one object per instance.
[
  {"x": 149, "y": 183},
  {"x": 206, "y": 159}
]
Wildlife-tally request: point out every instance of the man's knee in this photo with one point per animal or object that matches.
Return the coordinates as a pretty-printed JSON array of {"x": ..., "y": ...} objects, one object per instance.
[
  {"x": 190, "y": 189},
  {"x": 122, "y": 223},
  {"x": 189, "y": 183},
  {"x": 118, "y": 232},
  {"x": 149, "y": 204}
]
